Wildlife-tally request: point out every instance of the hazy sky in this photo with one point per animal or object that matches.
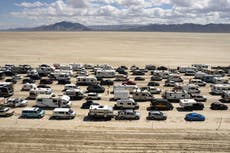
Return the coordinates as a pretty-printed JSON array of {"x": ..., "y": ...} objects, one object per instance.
[{"x": 27, "y": 13}]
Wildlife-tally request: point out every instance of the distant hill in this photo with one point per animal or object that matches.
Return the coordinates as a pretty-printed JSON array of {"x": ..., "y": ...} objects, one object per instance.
[
  {"x": 60, "y": 26},
  {"x": 188, "y": 27}
]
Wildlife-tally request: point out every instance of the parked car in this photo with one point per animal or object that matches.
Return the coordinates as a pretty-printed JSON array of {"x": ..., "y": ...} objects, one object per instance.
[
  {"x": 194, "y": 117},
  {"x": 169, "y": 83},
  {"x": 87, "y": 104},
  {"x": 107, "y": 82},
  {"x": 139, "y": 79},
  {"x": 63, "y": 113},
  {"x": 6, "y": 112},
  {"x": 93, "y": 96},
  {"x": 28, "y": 86},
  {"x": 152, "y": 83},
  {"x": 160, "y": 104},
  {"x": 198, "y": 97},
  {"x": 16, "y": 102},
  {"x": 14, "y": 81},
  {"x": 127, "y": 114},
  {"x": 218, "y": 106},
  {"x": 43, "y": 86},
  {"x": 32, "y": 112},
  {"x": 129, "y": 82},
  {"x": 46, "y": 81},
  {"x": 28, "y": 80},
  {"x": 64, "y": 81},
  {"x": 95, "y": 88},
  {"x": 156, "y": 78},
  {"x": 156, "y": 115},
  {"x": 138, "y": 72}
]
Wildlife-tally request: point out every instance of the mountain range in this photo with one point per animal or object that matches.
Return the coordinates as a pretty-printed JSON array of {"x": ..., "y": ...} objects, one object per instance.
[{"x": 187, "y": 27}]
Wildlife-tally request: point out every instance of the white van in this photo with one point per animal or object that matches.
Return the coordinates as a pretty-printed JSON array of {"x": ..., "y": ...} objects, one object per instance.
[
  {"x": 63, "y": 113},
  {"x": 130, "y": 88},
  {"x": 105, "y": 73},
  {"x": 142, "y": 95},
  {"x": 53, "y": 101}
]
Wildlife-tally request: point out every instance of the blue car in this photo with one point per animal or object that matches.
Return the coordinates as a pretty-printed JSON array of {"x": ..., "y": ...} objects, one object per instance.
[{"x": 194, "y": 117}]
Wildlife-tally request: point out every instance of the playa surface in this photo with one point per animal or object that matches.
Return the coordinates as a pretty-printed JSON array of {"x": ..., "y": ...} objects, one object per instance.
[{"x": 81, "y": 135}]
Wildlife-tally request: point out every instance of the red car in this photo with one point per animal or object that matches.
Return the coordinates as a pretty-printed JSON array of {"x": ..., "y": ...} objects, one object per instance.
[{"x": 129, "y": 82}]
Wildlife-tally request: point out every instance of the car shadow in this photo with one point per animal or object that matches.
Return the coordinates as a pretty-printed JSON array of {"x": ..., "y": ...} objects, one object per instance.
[
  {"x": 90, "y": 119},
  {"x": 179, "y": 109}
]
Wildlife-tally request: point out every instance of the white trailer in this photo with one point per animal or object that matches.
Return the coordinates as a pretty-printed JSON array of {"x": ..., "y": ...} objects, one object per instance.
[
  {"x": 121, "y": 94},
  {"x": 187, "y": 103},
  {"x": 53, "y": 101},
  {"x": 130, "y": 88},
  {"x": 86, "y": 80},
  {"x": 219, "y": 88},
  {"x": 105, "y": 73},
  {"x": 99, "y": 111}
]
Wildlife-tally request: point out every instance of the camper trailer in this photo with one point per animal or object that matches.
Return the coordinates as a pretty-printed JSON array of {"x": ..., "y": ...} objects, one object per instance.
[
  {"x": 34, "y": 92},
  {"x": 191, "y": 104},
  {"x": 200, "y": 67},
  {"x": 53, "y": 101},
  {"x": 121, "y": 94},
  {"x": 6, "y": 89},
  {"x": 226, "y": 96},
  {"x": 218, "y": 89},
  {"x": 86, "y": 80},
  {"x": 105, "y": 73},
  {"x": 175, "y": 95},
  {"x": 190, "y": 88},
  {"x": 130, "y": 88},
  {"x": 140, "y": 95},
  {"x": 99, "y": 111}
]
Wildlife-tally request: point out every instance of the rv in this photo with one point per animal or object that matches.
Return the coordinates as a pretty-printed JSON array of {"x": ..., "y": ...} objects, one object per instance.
[
  {"x": 86, "y": 80},
  {"x": 183, "y": 69},
  {"x": 162, "y": 73},
  {"x": 34, "y": 92},
  {"x": 218, "y": 89},
  {"x": 121, "y": 94},
  {"x": 99, "y": 111},
  {"x": 175, "y": 95},
  {"x": 105, "y": 73},
  {"x": 75, "y": 94},
  {"x": 199, "y": 75},
  {"x": 128, "y": 103},
  {"x": 130, "y": 88},
  {"x": 226, "y": 96},
  {"x": 190, "y": 88},
  {"x": 53, "y": 101},
  {"x": 145, "y": 95},
  {"x": 6, "y": 89}
]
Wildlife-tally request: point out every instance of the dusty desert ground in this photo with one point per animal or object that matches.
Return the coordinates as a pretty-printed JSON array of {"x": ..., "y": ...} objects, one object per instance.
[{"x": 78, "y": 135}]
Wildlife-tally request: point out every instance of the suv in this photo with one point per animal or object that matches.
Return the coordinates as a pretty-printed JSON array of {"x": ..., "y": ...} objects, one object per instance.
[
  {"x": 198, "y": 97},
  {"x": 152, "y": 83},
  {"x": 106, "y": 82},
  {"x": 93, "y": 96},
  {"x": 127, "y": 114},
  {"x": 128, "y": 103},
  {"x": 218, "y": 106},
  {"x": 16, "y": 102},
  {"x": 156, "y": 115},
  {"x": 160, "y": 104},
  {"x": 95, "y": 88},
  {"x": 33, "y": 112},
  {"x": 6, "y": 112},
  {"x": 87, "y": 104}
]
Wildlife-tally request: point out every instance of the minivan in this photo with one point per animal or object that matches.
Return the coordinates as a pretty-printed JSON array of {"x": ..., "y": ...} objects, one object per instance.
[{"x": 33, "y": 112}]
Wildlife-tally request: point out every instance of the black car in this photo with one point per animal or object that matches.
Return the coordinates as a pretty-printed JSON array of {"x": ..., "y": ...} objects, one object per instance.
[
  {"x": 96, "y": 88},
  {"x": 160, "y": 104},
  {"x": 162, "y": 68},
  {"x": 87, "y": 104},
  {"x": 64, "y": 81},
  {"x": 14, "y": 81},
  {"x": 138, "y": 72},
  {"x": 139, "y": 79},
  {"x": 46, "y": 81},
  {"x": 28, "y": 80},
  {"x": 152, "y": 83},
  {"x": 121, "y": 70},
  {"x": 195, "y": 106},
  {"x": 35, "y": 77},
  {"x": 218, "y": 106},
  {"x": 106, "y": 82},
  {"x": 43, "y": 86}
]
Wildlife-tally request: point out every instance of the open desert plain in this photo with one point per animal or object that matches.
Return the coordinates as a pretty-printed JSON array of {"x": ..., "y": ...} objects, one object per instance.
[{"x": 19, "y": 135}]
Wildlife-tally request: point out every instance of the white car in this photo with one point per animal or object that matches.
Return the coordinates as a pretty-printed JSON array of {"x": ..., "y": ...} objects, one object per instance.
[{"x": 28, "y": 86}]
